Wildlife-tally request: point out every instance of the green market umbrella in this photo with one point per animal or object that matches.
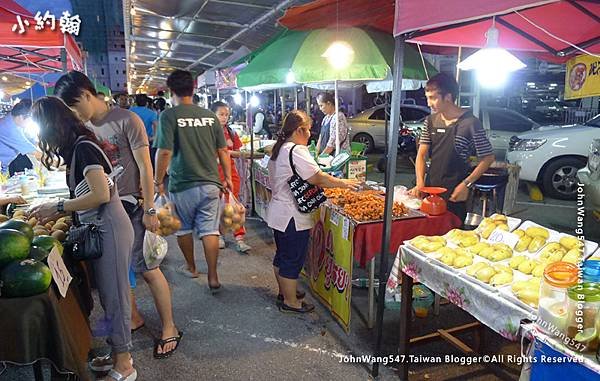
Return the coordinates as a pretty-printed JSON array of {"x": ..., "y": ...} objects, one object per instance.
[{"x": 300, "y": 53}]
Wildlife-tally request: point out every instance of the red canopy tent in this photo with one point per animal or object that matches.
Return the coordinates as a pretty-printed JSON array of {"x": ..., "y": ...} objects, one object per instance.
[
  {"x": 34, "y": 51},
  {"x": 464, "y": 22}
]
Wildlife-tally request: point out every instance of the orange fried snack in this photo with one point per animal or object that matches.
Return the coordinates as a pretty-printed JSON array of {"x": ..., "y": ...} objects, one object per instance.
[{"x": 362, "y": 206}]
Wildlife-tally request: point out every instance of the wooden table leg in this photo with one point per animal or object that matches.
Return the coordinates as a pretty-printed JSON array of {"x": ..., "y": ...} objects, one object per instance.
[
  {"x": 371, "y": 312},
  {"x": 405, "y": 316}
]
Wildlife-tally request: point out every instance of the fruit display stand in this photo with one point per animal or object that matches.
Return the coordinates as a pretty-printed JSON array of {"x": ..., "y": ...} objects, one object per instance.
[{"x": 476, "y": 271}]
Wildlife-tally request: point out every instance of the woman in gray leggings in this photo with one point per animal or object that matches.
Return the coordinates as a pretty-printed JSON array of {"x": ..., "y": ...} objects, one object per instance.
[{"x": 95, "y": 199}]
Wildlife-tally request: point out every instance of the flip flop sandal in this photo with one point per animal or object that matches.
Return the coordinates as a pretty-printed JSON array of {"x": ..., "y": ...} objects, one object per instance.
[
  {"x": 116, "y": 376},
  {"x": 161, "y": 343},
  {"x": 299, "y": 295}
]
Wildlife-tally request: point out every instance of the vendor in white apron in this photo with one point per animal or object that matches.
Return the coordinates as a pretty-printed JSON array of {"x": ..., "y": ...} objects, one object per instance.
[{"x": 451, "y": 135}]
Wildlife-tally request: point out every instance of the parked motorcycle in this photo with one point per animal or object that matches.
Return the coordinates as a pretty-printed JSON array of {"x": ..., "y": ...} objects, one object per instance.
[{"x": 408, "y": 141}]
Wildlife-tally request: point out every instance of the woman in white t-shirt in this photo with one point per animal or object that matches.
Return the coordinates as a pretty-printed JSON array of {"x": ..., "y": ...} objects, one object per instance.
[{"x": 291, "y": 227}]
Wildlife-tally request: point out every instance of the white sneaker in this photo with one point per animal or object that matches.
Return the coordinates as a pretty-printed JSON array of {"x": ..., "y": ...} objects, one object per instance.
[
  {"x": 221, "y": 242},
  {"x": 104, "y": 363},
  {"x": 242, "y": 247}
]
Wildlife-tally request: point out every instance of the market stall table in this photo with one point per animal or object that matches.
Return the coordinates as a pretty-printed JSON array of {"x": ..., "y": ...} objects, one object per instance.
[
  {"x": 337, "y": 241},
  {"x": 45, "y": 327},
  {"x": 485, "y": 305}
]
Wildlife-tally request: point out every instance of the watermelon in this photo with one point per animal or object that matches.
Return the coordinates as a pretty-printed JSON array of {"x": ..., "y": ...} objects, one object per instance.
[
  {"x": 46, "y": 243},
  {"x": 38, "y": 253},
  {"x": 14, "y": 245},
  {"x": 21, "y": 226},
  {"x": 24, "y": 278}
]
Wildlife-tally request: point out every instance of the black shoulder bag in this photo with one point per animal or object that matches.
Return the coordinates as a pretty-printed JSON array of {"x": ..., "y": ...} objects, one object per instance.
[
  {"x": 84, "y": 240},
  {"x": 308, "y": 197}
]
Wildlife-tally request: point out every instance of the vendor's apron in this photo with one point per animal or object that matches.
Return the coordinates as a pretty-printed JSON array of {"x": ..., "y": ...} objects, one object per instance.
[
  {"x": 325, "y": 133},
  {"x": 447, "y": 169}
]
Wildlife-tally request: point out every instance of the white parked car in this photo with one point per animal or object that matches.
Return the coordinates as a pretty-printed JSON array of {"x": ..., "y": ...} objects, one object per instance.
[
  {"x": 500, "y": 123},
  {"x": 552, "y": 155}
]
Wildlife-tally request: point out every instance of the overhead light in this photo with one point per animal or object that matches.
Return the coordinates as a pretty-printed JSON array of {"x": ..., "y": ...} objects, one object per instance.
[
  {"x": 492, "y": 64},
  {"x": 4, "y": 78},
  {"x": 553, "y": 85},
  {"x": 28, "y": 83},
  {"x": 237, "y": 98},
  {"x": 339, "y": 55},
  {"x": 32, "y": 129},
  {"x": 531, "y": 84},
  {"x": 290, "y": 77},
  {"x": 254, "y": 101}
]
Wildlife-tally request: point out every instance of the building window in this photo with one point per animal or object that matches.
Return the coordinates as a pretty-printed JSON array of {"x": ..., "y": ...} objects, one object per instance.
[
  {"x": 123, "y": 46},
  {"x": 124, "y": 72},
  {"x": 118, "y": 84},
  {"x": 101, "y": 58},
  {"x": 102, "y": 70},
  {"x": 115, "y": 58},
  {"x": 103, "y": 83},
  {"x": 117, "y": 71}
]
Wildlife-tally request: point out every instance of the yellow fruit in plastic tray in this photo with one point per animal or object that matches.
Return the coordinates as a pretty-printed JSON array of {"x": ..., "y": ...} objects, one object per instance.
[
  {"x": 446, "y": 250},
  {"x": 462, "y": 261},
  {"x": 460, "y": 252},
  {"x": 476, "y": 267},
  {"x": 570, "y": 242},
  {"x": 485, "y": 223},
  {"x": 536, "y": 244},
  {"x": 519, "y": 232},
  {"x": 432, "y": 246},
  {"x": 502, "y": 246},
  {"x": 529, "y": 296},
  {"x": 527, "y": 266},
  {"x": 454, "y": 235},
  {"x": 418, "y": 241},
  {"x": 499, "y": 255},
  {"x": 537, "y": 231},
  {"x": 516, "y": 261},
  {"x": 503, "y": 268},
  {"x": 436, "y": 238},
  {"x": 499, "y": 218},
  {"x": 517, "y": 286},
  {"x": 538, "y": 270},
  {"x": 488, "y": 231},
  {"x": 487, "y": 252},
  {"x": 501, "y": 278},
  {"x": 549, "y": 249},
  {"x": 448, "y": 258},
  {"x": 476, "y": 249},
  {"x": 468, "y": 240},
  {"x": 485, "y": 274},
  {"x": 573, "y": 256},
  {"x": 523, "y": 243}
]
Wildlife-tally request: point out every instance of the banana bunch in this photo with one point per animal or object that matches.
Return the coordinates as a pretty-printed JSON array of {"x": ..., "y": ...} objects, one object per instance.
[
  {"x": 496, "y": 275},
  {"x": 525, "y": 265},
  {"x": 463, "y": 238},
  {"x": 532, "y": 239},
  {"x": 489, "y": 224},
  {"x": 527, "y": 291},
  {"x": 495, "y": 252},
  {"x": 428, "y": 244},
  {"x": 457, "y": 258}
]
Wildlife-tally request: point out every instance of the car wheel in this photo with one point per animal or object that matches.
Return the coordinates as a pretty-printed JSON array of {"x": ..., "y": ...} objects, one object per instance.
[
  {"x": 560, "y": 178},
  {"x": 365, "y": 139}
]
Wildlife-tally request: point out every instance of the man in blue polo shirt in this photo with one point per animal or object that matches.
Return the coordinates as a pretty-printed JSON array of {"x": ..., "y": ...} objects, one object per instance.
[{"x": 16, "y": 150}]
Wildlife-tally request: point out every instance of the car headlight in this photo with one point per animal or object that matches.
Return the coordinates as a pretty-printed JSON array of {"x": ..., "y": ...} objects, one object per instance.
[{"x": 525, "y": 144}]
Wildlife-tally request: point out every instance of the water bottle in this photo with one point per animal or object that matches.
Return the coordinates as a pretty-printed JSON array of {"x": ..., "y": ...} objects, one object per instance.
[{"x": 313, "y": 149}]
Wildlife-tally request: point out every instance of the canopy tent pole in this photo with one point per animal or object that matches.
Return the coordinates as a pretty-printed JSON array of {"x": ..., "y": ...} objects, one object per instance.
[
  {"x": 390, "y": 177},
  {"x": 337, "y": 118},
  {"x": 218, "y": 95},
  {"x": 295, "y": 98},
  {"x": 282, "y": 94},
  {"x": 458, "y": 59},
  {"x": 63, "y": 60},
  {"x": 275, "y": 107},
  {"x": 307, "y": 99},
  {"x": 250, "y": 127}
]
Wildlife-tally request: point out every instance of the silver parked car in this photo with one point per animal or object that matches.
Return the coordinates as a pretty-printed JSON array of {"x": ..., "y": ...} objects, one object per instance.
[{"x": 500, "y": 123}]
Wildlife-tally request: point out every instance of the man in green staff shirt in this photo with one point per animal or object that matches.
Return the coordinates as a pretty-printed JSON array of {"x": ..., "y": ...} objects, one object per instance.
[{"x": 190, "y": 139}]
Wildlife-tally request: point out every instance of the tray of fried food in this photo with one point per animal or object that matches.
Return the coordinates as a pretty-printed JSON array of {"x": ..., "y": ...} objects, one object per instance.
[{"x": 341, "y": 196}]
